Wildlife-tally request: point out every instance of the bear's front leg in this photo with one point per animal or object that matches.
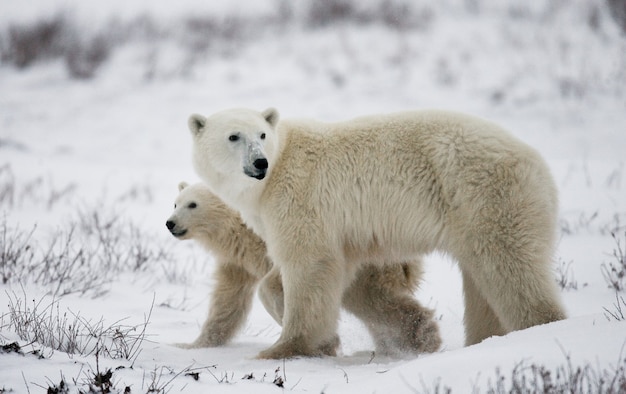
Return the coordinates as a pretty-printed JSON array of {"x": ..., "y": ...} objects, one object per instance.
[{"x": 313, "y": 291}]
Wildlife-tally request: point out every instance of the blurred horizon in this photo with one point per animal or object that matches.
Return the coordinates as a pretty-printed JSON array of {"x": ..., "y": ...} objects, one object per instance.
[{"x": 498, "y": 51}]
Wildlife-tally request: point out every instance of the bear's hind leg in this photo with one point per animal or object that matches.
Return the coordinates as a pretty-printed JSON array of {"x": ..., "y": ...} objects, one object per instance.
[
  {"x": 503, "y": 239},
  {"x": 382, "y": 297},
  {"x": 480, "y": 319},
  {"x": 519, "y": 288}
]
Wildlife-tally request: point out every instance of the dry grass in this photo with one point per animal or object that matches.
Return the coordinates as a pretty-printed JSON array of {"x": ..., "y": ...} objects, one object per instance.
[
  {"x": 84, "y": 256},
  {"x": 614, "y": 271},
  {"x": 44, "y": 322}
]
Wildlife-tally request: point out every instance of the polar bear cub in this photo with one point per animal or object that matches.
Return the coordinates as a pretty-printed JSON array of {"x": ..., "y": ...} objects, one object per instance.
[
  {"x": 381, "y": 296},
  {"x": 241, "y": 260},
  {"x": 327, "y": 197}
]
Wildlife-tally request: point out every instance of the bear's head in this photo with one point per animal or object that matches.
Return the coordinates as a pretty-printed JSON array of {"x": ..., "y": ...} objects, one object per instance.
[
  {"x": 197, "y": 212},
  {"x": 234, "y": 148}
]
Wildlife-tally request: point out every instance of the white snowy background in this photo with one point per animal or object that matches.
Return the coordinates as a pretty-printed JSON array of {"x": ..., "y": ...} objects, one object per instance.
[{"x": 93, "y": 142}]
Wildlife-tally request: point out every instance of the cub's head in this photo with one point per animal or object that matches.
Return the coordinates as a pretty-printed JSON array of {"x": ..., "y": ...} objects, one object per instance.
[
  {"x": 197, "y": 211},
  {"x": 234, "y": 147}
]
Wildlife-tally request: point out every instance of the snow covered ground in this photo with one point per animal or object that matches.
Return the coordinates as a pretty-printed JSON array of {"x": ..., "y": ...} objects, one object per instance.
[{"x": 117, "y": 144}]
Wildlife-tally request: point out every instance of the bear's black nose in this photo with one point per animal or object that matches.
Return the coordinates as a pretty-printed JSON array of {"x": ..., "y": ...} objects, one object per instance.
[
  {"x": 260, "y": 164},
  {"x": 170, "y": 224}
]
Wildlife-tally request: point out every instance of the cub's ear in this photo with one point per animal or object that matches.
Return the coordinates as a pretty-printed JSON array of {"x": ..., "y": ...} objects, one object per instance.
[
  {"x": 182, "y": 185},
  {"x": 196, "y": 123},
  {"x": 271, "y": 116}
]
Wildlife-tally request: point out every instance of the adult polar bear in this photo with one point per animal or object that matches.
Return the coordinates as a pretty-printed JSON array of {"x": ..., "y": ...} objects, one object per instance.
[{"x": 327, "y": 197}]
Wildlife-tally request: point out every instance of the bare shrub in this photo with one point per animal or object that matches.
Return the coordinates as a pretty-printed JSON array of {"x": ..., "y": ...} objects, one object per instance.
[
  {"x": 619, "y": 309},
  {"x": 156, "y": 383},
  {"x": 435, "y": 388},
  {"x": 575, "y": 222},
  {"x": 41, "y": 191},
  {"x": 30, "y": 43},
  {"x": 85, "y": 49},
  {"x": 200, "y": 32},
  {"x": 618, "y": 11},
  {"x": 615, "y": 224},
  {"x": 118, "y": 244},
  {"x": 404, "y": 15},
  {"x": 57, "y": 195},
  {"x": 92, "y": 382},
  {"x": 324, "y": 13},
  {"x": 566, "y": 378},
  {"x": 84, "y": 57},
  {"x": 84, "y": 256},
  {"x": 15, "y": 249},
  {"x": 614, "y": 272},
  {"x": 56, "y": 37},
  {"x": 161, "y": 377},
  {"x": 100, "y": 382},
  {"x": 284, "y": 13},
  {"x": 85, "y": 253},
  {"x": 61, "y": 388},
  {"x": 71, "y": 333},
  {"x": 7, "y": 186},
  {"x": 565, "y": 276},
  {"x": 397, "y": 14},
  {"x": 571, "y": 87},
  {"x": 61, "y": 267}
]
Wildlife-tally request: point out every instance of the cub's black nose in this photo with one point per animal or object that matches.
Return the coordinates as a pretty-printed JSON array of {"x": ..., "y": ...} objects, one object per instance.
[
  {"x": 170, "y": 224},
  {"x": 260, "y": 164}
]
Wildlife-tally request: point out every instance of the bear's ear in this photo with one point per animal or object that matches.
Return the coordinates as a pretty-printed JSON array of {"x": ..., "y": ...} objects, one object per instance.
[
  {"x": 182, "y": 185},
  {"x": 271, "y": 116},
  {"x": 196, "y": 123}
]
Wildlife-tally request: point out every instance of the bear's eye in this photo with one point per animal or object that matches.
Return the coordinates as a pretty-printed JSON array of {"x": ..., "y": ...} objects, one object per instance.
[
  {"x": 192, "y": 205},
  {"x": 262, "y": 136},
  {"x": 233, "y": 137}
]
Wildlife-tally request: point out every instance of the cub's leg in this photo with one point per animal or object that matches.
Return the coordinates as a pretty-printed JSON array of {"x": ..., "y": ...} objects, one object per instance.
[
  {"x": 231, "y": 302},
  {"x": 272, "y": 296}
]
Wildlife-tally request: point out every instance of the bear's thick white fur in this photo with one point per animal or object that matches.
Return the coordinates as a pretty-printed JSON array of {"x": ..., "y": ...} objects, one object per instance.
[
  {"x": 381, "y": 296},
  {"x": 327, "y": 197}
]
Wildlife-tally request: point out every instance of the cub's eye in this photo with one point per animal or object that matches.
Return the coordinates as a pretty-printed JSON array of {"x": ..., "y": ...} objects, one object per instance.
[
  {"x": 192, "y": 205},
  {"x": 233, "y": 137},
  {"x": 174, "y": 206},
  {"x": 262, "y": 136}
]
